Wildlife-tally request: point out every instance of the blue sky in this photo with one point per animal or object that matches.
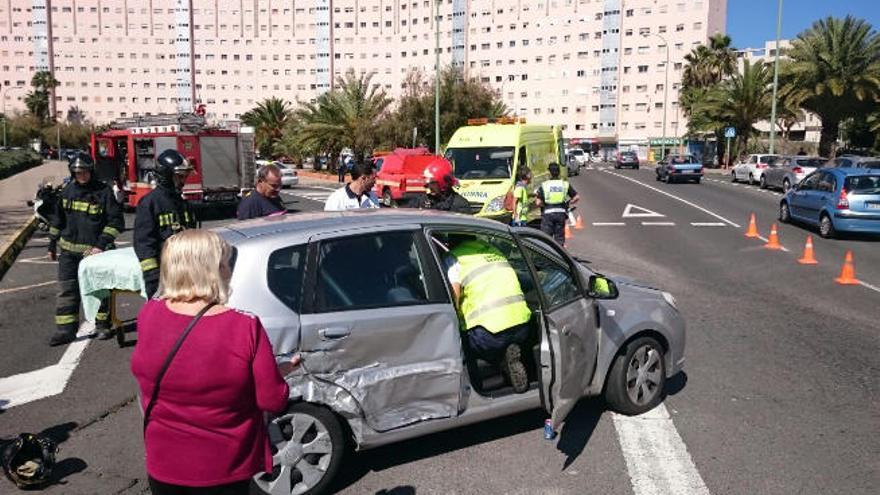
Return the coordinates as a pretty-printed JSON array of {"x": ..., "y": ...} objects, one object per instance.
[{"x": 752, "y": 22}]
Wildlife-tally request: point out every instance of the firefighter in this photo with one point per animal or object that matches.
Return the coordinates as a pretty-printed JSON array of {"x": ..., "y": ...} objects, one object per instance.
[
  {"x": 160, "y": 214},
  {"x": 439, "y": 193},
  {"x": 86, "y": 221},
  {"x": 554, "y": 197}
]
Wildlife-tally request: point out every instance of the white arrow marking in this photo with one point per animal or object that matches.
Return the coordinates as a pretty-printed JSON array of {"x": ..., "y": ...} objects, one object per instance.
[{"x": 640, "y": 212}]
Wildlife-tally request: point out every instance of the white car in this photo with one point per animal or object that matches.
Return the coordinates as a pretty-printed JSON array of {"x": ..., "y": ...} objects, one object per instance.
[
  {"x": 753, "y": 168},
  {"x": 289, "y": 177},
  {"x": 579, "y": 156}
]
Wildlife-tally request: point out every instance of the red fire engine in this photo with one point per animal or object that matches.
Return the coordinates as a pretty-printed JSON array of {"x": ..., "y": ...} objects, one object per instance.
[
  {"x": 399, "y": 173},
  {"x": 222, "y": 159}
]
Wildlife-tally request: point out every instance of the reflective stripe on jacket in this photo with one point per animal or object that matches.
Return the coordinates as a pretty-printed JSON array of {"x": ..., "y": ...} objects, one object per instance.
[{"x": 555, "y": 196}]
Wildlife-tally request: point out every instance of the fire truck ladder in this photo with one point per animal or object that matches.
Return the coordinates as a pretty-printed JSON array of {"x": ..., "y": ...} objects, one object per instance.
[{"x": 187, "y": 122}]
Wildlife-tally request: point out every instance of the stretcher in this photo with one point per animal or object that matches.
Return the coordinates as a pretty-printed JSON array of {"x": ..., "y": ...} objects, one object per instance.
[{"x": 109, "y": 275}]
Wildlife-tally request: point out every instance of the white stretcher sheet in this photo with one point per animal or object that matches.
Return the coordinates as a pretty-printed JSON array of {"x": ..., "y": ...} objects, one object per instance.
[{"x": 117, "y": 269}]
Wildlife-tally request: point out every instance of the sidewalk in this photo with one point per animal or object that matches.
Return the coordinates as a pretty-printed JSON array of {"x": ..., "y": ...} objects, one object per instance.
[{"x": 15, "y": 215}]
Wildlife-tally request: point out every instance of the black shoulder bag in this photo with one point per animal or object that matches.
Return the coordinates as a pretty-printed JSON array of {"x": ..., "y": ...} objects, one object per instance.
[{"x": 168, "y": 359}]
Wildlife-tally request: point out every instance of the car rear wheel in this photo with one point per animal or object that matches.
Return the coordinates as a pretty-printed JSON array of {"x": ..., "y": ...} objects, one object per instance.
[
  {"x": 784, "y": 213},
  {"x": 826, "y": 226},
  {"x": 637, "y": 378},
  {"x": 751, "y": 179},
  {"x": 786, "y": 185},
  {"x": 668, "y": 178},
  {"x": 308, "y": 445},
  {"x": 733, "y": 176},
  {"x": 763, "y": 182}
]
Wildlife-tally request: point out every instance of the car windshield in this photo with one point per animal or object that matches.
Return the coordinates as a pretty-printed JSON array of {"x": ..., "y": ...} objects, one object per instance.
[
  {"x": 768, "y": 159},
  {"x": 811, "y": 162},
  {"x": 481, "y": 163},
  {"x": 627, "y": 154},
  {"x": 863, "y": 184},
  {"x": 577, "y": 152}
]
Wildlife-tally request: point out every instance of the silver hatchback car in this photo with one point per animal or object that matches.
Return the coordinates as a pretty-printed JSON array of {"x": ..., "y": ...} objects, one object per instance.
[{"x": 363, "y": 297}]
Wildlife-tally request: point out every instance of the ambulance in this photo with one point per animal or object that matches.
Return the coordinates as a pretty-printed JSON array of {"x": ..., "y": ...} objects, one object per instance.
[{"x": 488, "y": 158}]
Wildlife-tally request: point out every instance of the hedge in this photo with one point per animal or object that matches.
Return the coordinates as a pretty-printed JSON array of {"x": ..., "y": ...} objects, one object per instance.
[{"x": 15, "y": 161}]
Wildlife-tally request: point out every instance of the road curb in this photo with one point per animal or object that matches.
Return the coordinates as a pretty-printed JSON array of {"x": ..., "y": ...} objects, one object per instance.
[{"x": 14, "y": 244}]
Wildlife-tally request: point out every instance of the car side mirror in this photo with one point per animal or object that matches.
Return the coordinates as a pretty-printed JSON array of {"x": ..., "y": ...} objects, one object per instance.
[{"x": 601, "y": 287}]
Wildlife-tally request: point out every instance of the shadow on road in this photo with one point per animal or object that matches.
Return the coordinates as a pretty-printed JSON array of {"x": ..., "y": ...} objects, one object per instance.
[
  {"x": 676, "y": 384},
  {"x": 398, "y": 490},
  {"x": 578, "y": 429}
]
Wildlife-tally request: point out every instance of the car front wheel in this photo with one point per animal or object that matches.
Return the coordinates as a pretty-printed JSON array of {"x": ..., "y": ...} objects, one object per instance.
[
  {"x": 826, "y": 226},
  {"x": 751, "y": 179},
  {"x": 637, "y": 378},
  {"x": 307, "y": 445}
]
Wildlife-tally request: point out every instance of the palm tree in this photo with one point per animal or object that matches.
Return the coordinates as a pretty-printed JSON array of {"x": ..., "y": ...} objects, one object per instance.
[
  {"x": 268, "y": 119},
  {"x": 37, "y": 101},
  {"x": 742, "y": 100},
  {"x": 834, "y": 71},
  {"x": 709, "y": 64}
]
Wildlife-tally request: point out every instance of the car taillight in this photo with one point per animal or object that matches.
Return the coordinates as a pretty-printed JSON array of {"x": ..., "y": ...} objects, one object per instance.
[
  {"x": 761, "y": 165},
  {"x": 842, "y": 201},
  {"x": 797, "y": 170}
]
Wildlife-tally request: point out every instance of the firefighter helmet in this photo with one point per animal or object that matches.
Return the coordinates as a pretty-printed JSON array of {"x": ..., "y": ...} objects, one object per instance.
[
  {"x": 168, "y": 163},
  {"x": 439, "y": 171},
  {"x": 28, "y": 460},
  {"x": 79, "y": 162}
]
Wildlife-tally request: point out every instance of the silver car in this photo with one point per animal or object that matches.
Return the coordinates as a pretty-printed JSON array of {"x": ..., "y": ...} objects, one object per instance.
[
  {"x": 363, "y": 297},
  {"x": 789, "y": 170}
]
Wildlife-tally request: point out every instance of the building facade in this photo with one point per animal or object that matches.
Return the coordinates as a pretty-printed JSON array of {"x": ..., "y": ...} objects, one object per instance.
[{"x": 597, "y": 67}]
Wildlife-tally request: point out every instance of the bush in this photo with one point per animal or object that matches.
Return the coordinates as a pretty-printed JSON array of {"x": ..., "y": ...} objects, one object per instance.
[{"x": 15, "y": 161}]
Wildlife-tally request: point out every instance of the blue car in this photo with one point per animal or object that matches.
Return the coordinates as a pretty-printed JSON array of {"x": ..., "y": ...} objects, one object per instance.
[
  {"x": 835, "y": 200},
  {"x": 679, "y": 168}
]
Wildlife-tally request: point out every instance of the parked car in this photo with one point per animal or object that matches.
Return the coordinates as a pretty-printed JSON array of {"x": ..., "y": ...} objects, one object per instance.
[
  {"x": 572, "y": 166},
  {"x": 847, "y": 161},
  {"x": 789, "y": 170},
  {"x": 580, "y": 156},
  {"x": 753, "y": 168},
  {"x": 676, "y": 168},
  {"x": 627, "y": 159},
  {"x": 361, "y": 297},
  {"x": 289, "y": 176},
  {"x": 835, "y": 200}
]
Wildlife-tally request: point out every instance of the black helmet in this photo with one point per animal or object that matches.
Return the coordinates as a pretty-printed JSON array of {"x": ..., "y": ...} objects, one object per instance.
[
  {"x": 28, "y": 460},
  {"x": 80, "y": 161},
  {"x": 168, "y": 163}
]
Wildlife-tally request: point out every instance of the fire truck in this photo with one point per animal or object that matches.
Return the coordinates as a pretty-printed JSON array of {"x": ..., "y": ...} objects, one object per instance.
[{"x": 222, "y": 159}]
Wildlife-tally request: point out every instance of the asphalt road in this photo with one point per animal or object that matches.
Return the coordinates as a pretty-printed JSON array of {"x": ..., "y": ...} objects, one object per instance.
[{"x": 779, "y": 393}]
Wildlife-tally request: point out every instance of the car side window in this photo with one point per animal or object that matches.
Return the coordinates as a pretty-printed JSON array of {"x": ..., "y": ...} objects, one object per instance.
[
  {"x": 285, "y": 275},
  {"x": 555, "y": 278},
  {"x": 810, "y": 182},
  {"x": 369, "y": 271},
  {"x": 826, "y": 182},
  {"x": 753, "y": 159}
]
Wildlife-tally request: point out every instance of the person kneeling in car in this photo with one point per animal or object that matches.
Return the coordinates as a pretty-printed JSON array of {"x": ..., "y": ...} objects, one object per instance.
[{"x": 492, "y": 306}]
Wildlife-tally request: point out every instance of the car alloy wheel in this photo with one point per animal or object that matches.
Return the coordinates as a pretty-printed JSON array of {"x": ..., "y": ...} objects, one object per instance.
[
  {"x": 826, "y": 226},
  {"x": 733, "y": 176},
  {"x": 786, "y": 185},
  {"x": 307, "y": 448},
  {"x": 387, "y": 200},
  {"x": 784, "y": 214},
  {"x": 751, "y": 179},
  {"x": 763, "y": 182},
  {"x": 668, "y": 178},
  {"x": 637, "y": 378}
]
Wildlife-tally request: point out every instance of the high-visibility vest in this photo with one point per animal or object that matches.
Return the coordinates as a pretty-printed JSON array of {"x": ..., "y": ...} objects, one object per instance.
[
  {"x": 521, "y": 194},
  {"x": 555, "y": 195},
  {"x": 491, "y": 296}
]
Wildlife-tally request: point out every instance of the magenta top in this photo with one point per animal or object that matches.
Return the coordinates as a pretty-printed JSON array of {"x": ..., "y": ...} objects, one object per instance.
[{"x": 207, "y": 425}]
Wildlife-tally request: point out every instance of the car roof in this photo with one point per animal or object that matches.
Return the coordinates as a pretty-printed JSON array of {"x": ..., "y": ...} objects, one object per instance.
[
  {"x": 339, "y": 221},
  {"x": 849, "y": 171}
]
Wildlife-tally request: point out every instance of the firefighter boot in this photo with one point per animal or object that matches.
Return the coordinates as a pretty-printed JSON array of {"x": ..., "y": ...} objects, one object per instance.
[{"x": 102, "y": 322}]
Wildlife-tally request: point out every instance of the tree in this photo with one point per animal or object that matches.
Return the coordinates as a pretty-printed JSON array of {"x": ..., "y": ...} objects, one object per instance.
[
  {"x": 742, "y": 100},
  {"x": 834, "y": 71},
  {"x": 268, "y": 119},
  {"x": 75, "y": 115},
  {"x": 37, "y": 100}
]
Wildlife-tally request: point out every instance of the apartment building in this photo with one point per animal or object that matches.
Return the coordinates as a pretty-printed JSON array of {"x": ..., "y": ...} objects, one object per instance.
[{"x": 596, "y": 67}]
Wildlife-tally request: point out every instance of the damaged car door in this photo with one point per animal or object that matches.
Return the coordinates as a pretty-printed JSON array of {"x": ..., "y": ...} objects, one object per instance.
[
  {"x": 380, "y": 326},
  {"x": 569, "y": 340}
]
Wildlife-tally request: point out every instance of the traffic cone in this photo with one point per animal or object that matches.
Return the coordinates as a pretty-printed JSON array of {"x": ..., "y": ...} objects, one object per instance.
[
  {"x": 848, "y": 272},
  {"x": 773, "y": 241},
  {"x": 808, "y": 258},
  {"x": 753, "y": 228},
  {"x": 579, "y": 223},
  {"x": 568, "y": 234}
]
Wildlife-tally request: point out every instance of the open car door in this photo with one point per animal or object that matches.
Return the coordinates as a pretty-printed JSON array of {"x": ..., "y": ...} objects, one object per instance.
[{"x": 569, "y": 338}]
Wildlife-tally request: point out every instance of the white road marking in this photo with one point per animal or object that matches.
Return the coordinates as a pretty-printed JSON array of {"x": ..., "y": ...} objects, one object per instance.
[
  {"x": 635, "y": 211},
  {"x": 39, "y": 260},
  {"x": 51, "y": 380},
  {"x": 658, "y": 224},
  {"x": 704, "y": 210},
  {"x": 657, "y": 459},
  {"x": 708, "y": 224},
  {"x": 609, "y": 224},
  {"x": 26, "y": 287},
  {"x": 873, "y": 288},
  {"x": 765, "y": 240}
]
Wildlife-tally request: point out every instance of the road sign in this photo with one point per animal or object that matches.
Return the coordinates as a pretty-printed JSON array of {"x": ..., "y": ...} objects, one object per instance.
[{"x": 729, "y": 132}]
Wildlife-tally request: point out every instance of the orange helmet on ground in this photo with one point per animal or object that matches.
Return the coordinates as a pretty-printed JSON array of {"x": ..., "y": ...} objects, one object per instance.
[{"x": 440, "y": 172}]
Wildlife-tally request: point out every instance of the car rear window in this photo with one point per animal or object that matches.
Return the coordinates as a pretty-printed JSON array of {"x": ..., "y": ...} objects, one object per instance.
[
  {"x": 811, "y": 162},
  {"x": 863, "y": 184},
  {"x": 871, "y": 164},
  {"x": 285, "y": 275},
  {"x": 628, "y": 154}
]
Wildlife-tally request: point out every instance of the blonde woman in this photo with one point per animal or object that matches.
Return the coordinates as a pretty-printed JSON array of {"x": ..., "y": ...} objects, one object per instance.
[{"x": 216, "y": 374}]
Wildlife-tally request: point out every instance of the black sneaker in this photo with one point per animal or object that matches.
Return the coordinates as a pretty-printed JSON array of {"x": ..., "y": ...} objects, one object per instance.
[
  {"x": 513, "y": 367},
  {"x": 60, "y": 337},
  {"x": 104, "y": 333}
]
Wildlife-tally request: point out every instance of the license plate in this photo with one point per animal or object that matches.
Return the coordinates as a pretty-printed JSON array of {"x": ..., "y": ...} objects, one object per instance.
[
  {"x": 872, "y": 206},
  {"x": 688, "y": 171}
]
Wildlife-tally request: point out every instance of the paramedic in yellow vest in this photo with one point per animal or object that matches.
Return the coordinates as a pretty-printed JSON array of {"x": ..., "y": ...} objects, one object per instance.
[
  {"x": 491, "y": 304},
  {"x": 554, "y": 197},
  {"x": 521, "y": 200}
]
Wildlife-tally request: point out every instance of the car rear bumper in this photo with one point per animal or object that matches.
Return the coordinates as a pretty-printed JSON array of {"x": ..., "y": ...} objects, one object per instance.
[{"x": 850, "y": 222}]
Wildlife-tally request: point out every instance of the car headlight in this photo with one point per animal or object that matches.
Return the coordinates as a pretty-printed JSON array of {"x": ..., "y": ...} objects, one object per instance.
[
  {"x": 496, "y": 205},
  {"x": 669, "y": 299}
]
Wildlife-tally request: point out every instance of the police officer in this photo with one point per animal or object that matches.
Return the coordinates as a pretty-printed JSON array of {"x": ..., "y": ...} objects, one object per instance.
[
  {"x": 160, "y": 214},
  {"x": 492, "y": 305},
  {"x": 554, "y": 197},
  {"x": 439, "y": 193},
  {"x": 86, "y": 221}
]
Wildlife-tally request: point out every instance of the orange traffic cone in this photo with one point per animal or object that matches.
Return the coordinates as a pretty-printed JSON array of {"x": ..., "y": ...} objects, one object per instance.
[
  {"x": 579, "y": 223},
  {"x": 848, "y": 272},
  {"x": 568, "y": 234},
  {"x": 773, "y": 241},
  {"x": 808, "y": 258},
  {"x": 753, "y": 228}
]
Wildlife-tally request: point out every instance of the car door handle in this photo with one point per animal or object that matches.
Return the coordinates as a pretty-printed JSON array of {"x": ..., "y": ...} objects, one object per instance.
[{"x": 334, "y": 333}]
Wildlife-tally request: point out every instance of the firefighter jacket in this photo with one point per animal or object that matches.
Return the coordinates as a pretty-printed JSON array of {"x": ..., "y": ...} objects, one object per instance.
[
  {"x": 160, "y": 214},
  {"x": 87, "y": 216}
]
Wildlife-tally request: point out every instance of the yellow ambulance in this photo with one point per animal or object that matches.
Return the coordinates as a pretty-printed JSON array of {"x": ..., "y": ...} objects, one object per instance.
[{"x": 488, "y": 158}]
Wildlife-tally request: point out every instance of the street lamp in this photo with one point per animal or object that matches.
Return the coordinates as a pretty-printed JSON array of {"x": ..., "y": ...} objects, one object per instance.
[
  {"x": 3, "y": 97},
  {"x": 665, "y": 92},
  {"x": 775, "y": 75},
  {"x": 436, "y": 77}
]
